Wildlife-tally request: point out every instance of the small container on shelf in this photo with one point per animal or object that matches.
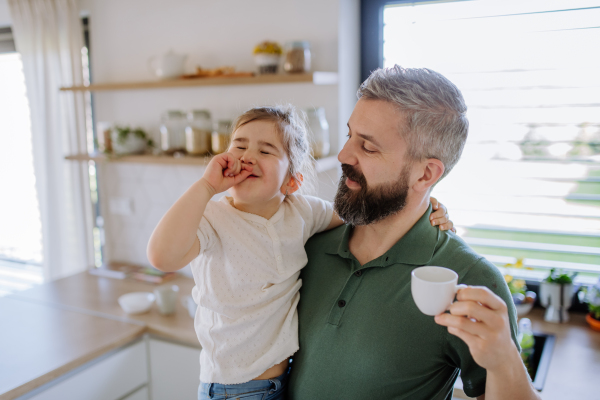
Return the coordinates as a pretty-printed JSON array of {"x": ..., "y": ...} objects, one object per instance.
[
  {"x": 172, "y": 131},
  {"x": 221, "y": 136},
  {"x": 198, "y": 133},
  {"x": 297, "y": 57},
  {"x": 318, "y": 132},
  {"x": 267, "y": 56}
]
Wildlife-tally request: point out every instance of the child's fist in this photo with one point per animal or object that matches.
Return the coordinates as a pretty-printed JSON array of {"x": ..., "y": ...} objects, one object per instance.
[{"x": 225, "y": 171}]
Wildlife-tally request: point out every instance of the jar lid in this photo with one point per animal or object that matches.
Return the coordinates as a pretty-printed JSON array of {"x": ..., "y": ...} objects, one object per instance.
[
  {"x": 224, "y": 125},
  {"x": 300, "y": 44},
  {"x": 174, "y": 114},
  {"x": 199, "y": 114}
]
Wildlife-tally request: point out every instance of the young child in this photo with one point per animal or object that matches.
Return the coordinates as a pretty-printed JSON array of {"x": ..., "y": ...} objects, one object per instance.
[{"x": 246, "y": 252}]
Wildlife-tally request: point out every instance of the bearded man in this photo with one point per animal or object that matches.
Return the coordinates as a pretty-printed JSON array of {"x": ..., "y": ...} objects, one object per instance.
[{"x": 361, "y": 334}]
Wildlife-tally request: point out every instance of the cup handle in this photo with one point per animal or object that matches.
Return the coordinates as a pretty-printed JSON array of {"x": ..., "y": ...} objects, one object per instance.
[{"x": 458, "y": 287}]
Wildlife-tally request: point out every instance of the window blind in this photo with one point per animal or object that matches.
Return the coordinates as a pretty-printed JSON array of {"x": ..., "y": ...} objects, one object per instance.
[{"x": 528, "y": 183}]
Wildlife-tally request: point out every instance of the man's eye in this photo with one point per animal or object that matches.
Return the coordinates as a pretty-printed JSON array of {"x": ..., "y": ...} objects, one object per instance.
[{"x": 369, "y": 151}]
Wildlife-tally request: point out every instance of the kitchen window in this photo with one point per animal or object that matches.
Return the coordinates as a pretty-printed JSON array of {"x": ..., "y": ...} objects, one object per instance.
[
  {"x": 21, "y": 252},
  {"x": 528, "y": 183},
  {"x": 20, "y": 229}
]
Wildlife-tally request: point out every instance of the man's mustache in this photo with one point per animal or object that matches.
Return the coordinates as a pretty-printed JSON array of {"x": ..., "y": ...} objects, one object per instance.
[{"x": 356, "y": 176}]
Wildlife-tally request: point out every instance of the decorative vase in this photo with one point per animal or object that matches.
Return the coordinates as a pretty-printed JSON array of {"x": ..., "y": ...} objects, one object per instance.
[
  {"x": 594, "y": 323},
  {"x": 557, "y": 299}
]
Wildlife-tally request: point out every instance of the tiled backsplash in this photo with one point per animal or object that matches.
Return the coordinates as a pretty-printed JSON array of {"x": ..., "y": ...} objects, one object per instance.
[{"x": 134, "y": 198}]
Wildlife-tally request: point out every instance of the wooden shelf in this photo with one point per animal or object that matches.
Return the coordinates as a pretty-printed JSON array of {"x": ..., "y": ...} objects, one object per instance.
[
  {"x": 317, "y": 78},
  {"x": 322, "y": 164}
]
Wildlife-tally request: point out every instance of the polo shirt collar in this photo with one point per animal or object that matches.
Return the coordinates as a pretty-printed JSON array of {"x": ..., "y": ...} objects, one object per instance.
[{"x": 416, "y": 247}]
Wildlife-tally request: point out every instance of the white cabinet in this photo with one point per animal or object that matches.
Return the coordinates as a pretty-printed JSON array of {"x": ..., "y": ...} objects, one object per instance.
[
  {"x": 174, "y": 369},
  {"x": 108, "y": 378}
]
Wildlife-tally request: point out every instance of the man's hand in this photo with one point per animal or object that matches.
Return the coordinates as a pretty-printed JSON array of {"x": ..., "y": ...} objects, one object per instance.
[
  {"x": 225, "y": 171},
  {"x": 480, "y": 318}
]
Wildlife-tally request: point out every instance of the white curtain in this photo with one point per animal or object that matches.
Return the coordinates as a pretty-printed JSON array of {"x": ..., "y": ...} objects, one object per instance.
[{"x": 49, "y": 36}]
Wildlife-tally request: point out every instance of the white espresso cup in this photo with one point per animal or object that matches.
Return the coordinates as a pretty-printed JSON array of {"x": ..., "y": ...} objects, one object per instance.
[
  {"x": 433, "y": 288},
  {"x": 166, "y": 298}
]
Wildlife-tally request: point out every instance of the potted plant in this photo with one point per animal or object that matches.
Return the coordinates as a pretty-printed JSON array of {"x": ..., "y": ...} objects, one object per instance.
[
  {"x": 556, "y": 294},
  {"x": 126, "y": 140},
  {"x": 592, "y": 297},
  {"x": 266, "y": 57}
]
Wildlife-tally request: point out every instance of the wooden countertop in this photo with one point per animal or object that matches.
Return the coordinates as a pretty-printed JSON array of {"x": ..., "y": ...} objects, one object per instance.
[
  {"x": 575, "y": 364},
  {"x": 39, "y": 342},
  {"x": 59, "y": 326},
  {"x": 99, "y": 296}
]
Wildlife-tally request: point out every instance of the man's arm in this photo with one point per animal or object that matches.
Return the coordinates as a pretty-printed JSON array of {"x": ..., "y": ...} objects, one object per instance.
[{"x": 480, "y": 319}]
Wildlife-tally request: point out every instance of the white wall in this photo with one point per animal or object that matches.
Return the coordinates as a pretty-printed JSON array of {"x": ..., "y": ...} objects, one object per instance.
[{"x": 5, "y": 19}]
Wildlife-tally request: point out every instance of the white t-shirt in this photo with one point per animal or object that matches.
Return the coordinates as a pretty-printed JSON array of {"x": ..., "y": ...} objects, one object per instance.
[{"x": 247, "y": 285}]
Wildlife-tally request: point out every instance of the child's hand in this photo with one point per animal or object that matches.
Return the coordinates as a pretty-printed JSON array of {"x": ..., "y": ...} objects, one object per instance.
[
  {"x": 440, "y": 216},
  {"x": 225, "y": 171}
]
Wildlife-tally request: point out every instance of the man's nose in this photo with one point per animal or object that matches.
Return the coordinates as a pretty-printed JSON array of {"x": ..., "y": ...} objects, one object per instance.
[{"x": 347, "y": 155}]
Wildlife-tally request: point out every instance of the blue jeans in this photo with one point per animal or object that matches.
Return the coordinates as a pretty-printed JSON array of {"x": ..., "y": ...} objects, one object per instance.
[{"x": 267, "y": 389}]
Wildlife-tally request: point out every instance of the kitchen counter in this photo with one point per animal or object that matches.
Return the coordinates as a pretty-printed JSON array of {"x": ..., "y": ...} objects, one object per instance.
[
  {"x": 61, "y": 325},
  {"x": 39, "y": 342}
]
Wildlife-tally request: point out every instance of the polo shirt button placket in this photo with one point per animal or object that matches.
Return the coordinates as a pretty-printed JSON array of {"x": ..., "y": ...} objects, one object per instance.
[{"x": 358, "y": 273}]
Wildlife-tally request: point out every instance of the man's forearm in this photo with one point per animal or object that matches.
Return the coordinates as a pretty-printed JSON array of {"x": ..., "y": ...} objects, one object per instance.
[{"x": 510, "y": 381}]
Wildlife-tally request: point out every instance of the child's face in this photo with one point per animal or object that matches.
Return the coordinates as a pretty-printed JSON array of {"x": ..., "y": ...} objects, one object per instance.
[{"x": 259, "y": 144}]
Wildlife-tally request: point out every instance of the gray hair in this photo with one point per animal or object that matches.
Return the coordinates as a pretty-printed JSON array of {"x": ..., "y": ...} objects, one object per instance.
[{"x": 434, "y": 108}]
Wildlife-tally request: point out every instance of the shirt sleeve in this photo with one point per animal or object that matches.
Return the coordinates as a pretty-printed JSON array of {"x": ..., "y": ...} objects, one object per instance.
[
  {"x": 205, "y": 231},
  {"x": 482, "y": 273},
  {"x": 317, "y": 212}
]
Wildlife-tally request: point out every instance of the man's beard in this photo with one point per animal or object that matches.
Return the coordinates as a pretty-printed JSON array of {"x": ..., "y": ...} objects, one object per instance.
[{"x": 369, "y": 205}]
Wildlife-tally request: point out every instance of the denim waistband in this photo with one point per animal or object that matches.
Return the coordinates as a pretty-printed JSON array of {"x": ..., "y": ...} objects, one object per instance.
[{"x": 209, "y": 390}]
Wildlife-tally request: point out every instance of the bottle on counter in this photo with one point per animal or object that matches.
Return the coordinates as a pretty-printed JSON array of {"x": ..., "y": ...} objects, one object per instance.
[
  {"x": 221, "y": 136},
  {"x": 198, "y": 132},
  {"x": 526, "y": 341},
  {"x": 172, "y": 131}
]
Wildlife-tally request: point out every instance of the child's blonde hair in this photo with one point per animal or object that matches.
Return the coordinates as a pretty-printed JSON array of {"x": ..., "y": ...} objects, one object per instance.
[{"x": 291, "y": 125}]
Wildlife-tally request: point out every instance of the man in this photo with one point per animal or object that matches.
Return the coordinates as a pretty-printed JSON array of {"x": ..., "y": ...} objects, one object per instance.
[{"x": 361, "y": 334}]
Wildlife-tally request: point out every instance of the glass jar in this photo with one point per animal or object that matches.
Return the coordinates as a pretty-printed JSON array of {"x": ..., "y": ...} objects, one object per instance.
[
  {"x": 221, "y": 136},
  {"x": 172, "y": 131},
  {"x": 318, "y": 132},
  {"x": 198, "y": 132},
  {"x": 297, "y": 57}
]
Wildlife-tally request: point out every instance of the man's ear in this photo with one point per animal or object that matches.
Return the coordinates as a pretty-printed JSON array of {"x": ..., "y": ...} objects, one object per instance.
[
  {"x": 431, "y": 170},
  {"x": 293, "y": 184}
]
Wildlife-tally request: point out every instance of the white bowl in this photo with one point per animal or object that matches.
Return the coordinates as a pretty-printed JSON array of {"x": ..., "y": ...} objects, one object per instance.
[
  {"x": 523, "y": 308},
  {"x": 136, "y": 302}
]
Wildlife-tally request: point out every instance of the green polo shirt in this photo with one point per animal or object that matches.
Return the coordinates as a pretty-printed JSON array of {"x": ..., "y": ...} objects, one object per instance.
[{"x": 361, "y": 334}]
